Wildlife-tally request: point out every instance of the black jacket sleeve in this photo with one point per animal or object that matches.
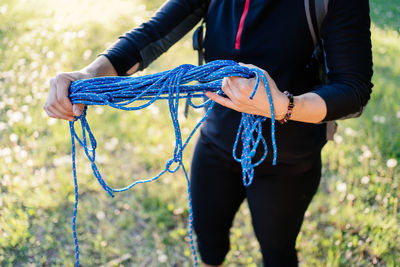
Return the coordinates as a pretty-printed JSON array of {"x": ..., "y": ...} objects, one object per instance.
[
  {"x": 347, "y": 43},
  {"x": 147, "y": 42}
]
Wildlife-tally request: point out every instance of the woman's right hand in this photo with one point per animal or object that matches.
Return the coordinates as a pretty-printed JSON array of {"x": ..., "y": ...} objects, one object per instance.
[{"x": 58, "y": 104}]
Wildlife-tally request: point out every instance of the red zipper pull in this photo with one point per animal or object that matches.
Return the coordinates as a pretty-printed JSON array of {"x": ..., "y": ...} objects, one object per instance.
[{"x": 240, "y": 28}]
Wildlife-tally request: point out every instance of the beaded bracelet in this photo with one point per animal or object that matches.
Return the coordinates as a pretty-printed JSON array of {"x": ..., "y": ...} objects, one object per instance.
[{"x": 290, "y": 108}]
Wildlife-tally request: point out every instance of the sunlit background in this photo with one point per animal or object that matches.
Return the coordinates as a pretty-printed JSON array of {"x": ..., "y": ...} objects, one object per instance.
[{"x": 353, "y": 221}]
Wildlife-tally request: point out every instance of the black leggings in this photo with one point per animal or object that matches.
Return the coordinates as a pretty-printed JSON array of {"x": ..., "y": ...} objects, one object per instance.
[{"x": 277, "y": 198}]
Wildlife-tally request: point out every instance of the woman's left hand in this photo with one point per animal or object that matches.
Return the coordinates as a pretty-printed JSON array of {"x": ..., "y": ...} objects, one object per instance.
[{"x": 238, "y": 91}]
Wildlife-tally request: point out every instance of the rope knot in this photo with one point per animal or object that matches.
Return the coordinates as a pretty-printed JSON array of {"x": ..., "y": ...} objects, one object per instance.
[{"x": 109, "y": 97}]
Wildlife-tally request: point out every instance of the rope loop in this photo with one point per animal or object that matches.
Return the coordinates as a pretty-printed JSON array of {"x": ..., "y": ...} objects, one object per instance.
[{"x": 169, "y": 165}]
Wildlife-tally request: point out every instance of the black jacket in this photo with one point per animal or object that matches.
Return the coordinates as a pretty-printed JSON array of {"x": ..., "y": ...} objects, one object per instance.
[{"x": 273, "y": 35}]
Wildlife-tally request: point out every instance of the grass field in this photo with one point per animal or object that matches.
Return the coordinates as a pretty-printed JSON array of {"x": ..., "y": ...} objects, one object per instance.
[{"x": 353, "y": 220}]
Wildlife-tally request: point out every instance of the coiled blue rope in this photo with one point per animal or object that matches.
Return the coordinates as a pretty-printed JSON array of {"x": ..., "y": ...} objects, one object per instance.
[{"x": 171, "y": 85}]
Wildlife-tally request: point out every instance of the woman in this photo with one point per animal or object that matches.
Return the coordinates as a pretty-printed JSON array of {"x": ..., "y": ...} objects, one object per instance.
[{"x": 272, "y": 35}]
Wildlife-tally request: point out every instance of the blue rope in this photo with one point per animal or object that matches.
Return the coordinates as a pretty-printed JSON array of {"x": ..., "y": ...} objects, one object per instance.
[{"x": 171, "y": 85}]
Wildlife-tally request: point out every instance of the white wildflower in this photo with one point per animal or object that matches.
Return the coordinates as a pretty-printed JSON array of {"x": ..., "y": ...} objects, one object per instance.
[
  {"x": 24, "y": 108},
  {"x": 100, "y": 215},
  {"x": 154, "y": 110},
  {"x": 160, "y": 147},
  {"x": 28, "y": 119},
  {"x": 13, "y": 137},
  {"x": 367, "y": 154},
  {"x": 101, "y": 159},
  {"x": 5, "y": 151},
  {"x": 81, "y": 33},
  {"x": 23, "y": 154},
  {"x": 162, "y": 258},
  {"x": 365, "y": 180},
  {"x": 351, "y": 197},
  {"x": 3, "y": 9},
  {"x": 350, "y": 132},
  {"x": 333, "y": 211},
  {"x": 14, "y": 116},
  {"x": 44, "y": 114},
  {"x": 34, "y": 65},
  {"x": 178, "y": 211},
  {"x": 391, "y": 163},
  {"x": 10, "y": 101},
  {"x": 99, "y": 110},
  {"x": 51, "y": 121},
  {"x": 111, "y": 144},
  {"x": 28, "y": 99},
  {"x": 341, "y": 187},
  {"x": 21, "y": 62},
  {"x": 17, "y": 149},
  {"x": 378, "y": 119},
  {"x": 61, "y": 160},
  {"x": 8, "y": 159},
  {"x": 3, "y": 125},
  {"x": 338, "y": 139}
]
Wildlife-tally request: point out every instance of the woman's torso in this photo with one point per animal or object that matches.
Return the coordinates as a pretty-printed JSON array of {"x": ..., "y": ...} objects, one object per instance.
[{"x": 274, "y": 36}]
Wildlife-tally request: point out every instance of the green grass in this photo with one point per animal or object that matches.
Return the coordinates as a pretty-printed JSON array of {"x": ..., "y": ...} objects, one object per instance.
[{"x": 353, "y": 220}]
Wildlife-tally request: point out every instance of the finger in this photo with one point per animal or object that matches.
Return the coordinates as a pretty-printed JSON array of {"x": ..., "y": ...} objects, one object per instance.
[
  {"x": 226, "y": 88},
  {"x": 62, "y": 86},
  {"x": 52, "y": 99},
  {"x": 50, "y": 114},
  {"x": 270, "y": 81},
  {"x": 239, "y": 87},
  {"x": 78, "y": 109},
  {"x": 224, "y": 101},
  {"x": 63, "y": 103},
  {"x": 60, "y": 115},
  {"x": 57, "y": 114},
  {"x": 240, "y": 82},
  {"x": 247, "y": 65},
  {"x": 253, "y": 80},
  {"x": 235, "y": 81},
  {"x": 57, "y": 106},
  {"x": 251, "y": 66}
]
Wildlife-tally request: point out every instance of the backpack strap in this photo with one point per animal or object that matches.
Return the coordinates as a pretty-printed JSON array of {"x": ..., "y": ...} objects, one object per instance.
[
  {"x": 321, "y": 9},
  {"x": 309, "y": 21},
  {"x": 198, "y": 38},
  {"x": 316, "y": 11},
  {"x": 197, "y": 42}
]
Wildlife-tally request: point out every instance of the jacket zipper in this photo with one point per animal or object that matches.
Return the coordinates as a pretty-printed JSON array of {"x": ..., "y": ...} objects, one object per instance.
[{"x": 240, "y": 28}]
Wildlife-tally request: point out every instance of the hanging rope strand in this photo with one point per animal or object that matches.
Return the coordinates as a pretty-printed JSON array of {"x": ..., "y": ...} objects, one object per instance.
[{"x": 123, "y": 92}]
